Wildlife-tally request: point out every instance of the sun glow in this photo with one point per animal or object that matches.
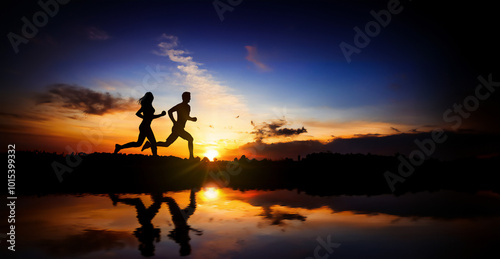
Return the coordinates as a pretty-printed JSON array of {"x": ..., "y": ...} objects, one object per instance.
[
  {"x": 211, "y": 193},
  {"x": 211, "y": 154}
]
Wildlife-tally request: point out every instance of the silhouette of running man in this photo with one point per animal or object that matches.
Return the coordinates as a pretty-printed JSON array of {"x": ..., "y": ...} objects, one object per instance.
[
  {"x": 180, "y": 234},
  {"x": 183, "y": 109}
]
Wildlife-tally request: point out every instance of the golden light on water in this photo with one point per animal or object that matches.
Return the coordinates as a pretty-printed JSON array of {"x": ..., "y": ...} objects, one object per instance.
[
  {"x": 211, "y": 193},
  {"x": 211, "y": 154}
]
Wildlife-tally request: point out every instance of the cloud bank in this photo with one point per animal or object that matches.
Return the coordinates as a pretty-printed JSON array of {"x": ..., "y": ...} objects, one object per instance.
[
  {"x": 274, "y": 129},
  {"x": 457, "y": 145},
  {"x": 79, "y": 98}
]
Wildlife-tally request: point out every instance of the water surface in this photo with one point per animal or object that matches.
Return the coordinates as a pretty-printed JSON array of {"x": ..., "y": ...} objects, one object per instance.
[{"x": 226, "y": 223}]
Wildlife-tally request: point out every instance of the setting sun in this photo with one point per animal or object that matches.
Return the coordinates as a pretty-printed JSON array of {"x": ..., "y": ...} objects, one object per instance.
[{"x": 211, "y": 154}]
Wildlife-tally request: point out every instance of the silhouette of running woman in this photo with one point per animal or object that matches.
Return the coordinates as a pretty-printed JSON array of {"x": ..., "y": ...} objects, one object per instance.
[
  {"x": 147, "y": 234},
  {"x": 183, "y": 109},
  {"x": 146, "y": 112}
]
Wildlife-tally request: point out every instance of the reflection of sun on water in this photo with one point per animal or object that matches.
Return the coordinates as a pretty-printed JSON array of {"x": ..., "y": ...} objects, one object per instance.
[
  {"x": 211, "y": 193},
  {"x": 211, "y": 154}
]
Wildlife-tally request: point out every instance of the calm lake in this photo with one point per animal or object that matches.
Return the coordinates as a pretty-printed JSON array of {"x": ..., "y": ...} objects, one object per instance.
[{"x": 226, "y": 223}]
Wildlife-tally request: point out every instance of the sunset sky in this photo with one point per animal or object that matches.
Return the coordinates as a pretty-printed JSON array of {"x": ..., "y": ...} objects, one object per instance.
[{"x": 269, "y": 72}]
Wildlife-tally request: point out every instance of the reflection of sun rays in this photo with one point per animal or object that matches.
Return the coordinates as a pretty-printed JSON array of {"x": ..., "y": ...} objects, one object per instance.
[
  {"x": 211, "y": 193},
  {"x": 189, "y": 168}
]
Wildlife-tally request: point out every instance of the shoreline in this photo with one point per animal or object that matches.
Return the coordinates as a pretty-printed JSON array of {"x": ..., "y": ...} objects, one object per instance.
[{"x": 317, "y": 174}]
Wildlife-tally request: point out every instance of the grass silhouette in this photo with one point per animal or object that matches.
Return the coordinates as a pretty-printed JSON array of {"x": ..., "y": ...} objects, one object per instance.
[{"x": 316, "y": 174}]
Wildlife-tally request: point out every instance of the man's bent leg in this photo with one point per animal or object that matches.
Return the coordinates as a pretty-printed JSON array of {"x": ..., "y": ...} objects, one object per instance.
[
  {"x": 169, "y": 141},
  {"x": 185, "y": 135}
]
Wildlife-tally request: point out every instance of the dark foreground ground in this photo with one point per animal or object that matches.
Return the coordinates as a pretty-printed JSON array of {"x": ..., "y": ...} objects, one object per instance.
[{"x": 317, "y": 174}]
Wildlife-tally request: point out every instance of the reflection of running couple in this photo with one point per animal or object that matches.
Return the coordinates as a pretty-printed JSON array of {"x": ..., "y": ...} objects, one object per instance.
[
  {"x": 146, "y": 112},
  {"x": 147, "y": 233}
]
